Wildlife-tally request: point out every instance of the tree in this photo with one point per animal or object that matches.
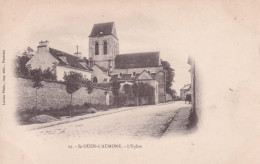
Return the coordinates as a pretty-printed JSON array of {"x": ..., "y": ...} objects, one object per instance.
[
  {"x": 169, "y": 75},
  {"x": 89, "y": 87},
  {"x": 173, "y": 93},
  {"x": 37, "y": 79},
  {"x": 128, "y": 90},
  {"x": 142, "y": 90},
  {"x": 21, "y": 70},
  {"x": 115, "y": 85},
  {"x": 21, "y": 60},
  {"x": 48, "y": 75},
  {"x": 135, "y": 91},
  {"x": 73, "y": 82},
  {"x": 146, "y": 90}
]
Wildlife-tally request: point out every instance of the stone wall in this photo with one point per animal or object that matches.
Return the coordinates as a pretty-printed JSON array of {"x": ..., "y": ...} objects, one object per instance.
[
  {"x": 61, "y": 70},
  {"x": 54, "y": 95}
]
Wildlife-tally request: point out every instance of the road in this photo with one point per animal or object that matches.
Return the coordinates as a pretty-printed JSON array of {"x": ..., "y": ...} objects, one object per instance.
[{"x": 146, "y": 121}]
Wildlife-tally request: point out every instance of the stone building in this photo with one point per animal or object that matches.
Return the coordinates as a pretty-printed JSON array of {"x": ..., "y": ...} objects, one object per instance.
[
  {"x": 184, "y": 91},
  {"x": 109, "y": 65},
  {"x": 105, "y": 63},
  {"x": 58, "y": 62}
]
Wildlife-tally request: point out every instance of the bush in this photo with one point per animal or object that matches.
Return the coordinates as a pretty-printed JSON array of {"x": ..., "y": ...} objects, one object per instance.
[
  {"x": 91, "y": 110},
  {"x": 24, "y": 116},
  {"x": 87, "y": 105}
]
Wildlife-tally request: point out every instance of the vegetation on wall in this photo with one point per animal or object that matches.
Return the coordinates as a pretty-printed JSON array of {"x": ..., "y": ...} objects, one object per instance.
[
  {"x": 170, "y": 74},
  {"x": 139, "y": 90}
]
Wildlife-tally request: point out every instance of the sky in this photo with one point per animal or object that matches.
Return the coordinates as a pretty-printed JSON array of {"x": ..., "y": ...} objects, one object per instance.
[
  {"x": 177, "y": 29},
  {"x": 139, "y": 29}
]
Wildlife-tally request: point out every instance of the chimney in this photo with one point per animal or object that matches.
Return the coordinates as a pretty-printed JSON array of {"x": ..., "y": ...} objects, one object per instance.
[
  {"x": 43, "y": 46},
  {"x": 78, "y": 54}
]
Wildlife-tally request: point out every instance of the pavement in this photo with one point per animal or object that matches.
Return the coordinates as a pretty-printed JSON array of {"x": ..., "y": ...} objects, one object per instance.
[
  {"x": 179, "y": 122},
  {"x": 130, "y": 122}
]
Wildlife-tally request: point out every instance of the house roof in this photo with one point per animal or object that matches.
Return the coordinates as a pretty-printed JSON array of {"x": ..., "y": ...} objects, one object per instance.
[
  {"x": 144, "y": 71},
  {"x": 137, "y": 60},
  {"x": 71, "y": 60},
  {"x": 102, "y": 68},
  {"x": 129, "y": 77},
  {"x": 186, "y": 87},
  {"x": 102, "y": 29}
]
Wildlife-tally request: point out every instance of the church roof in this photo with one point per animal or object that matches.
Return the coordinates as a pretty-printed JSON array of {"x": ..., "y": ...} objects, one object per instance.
[
  {"x": 71, "y": 60},
  {"x": 137, "y": 60},
  {"x": 102, "y": 29}
]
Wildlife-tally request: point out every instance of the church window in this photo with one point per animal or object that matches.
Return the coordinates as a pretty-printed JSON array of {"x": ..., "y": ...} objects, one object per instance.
[
  {"x": 95, "y": 80},
  {"x": 96, "y": 49},
  {"x": 105, "y": 47}
]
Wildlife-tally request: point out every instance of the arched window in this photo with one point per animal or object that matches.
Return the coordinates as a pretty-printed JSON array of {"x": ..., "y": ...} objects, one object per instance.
[
  {"x": 96, "y": 48},
  {"x": 95, "y": 80},
  {"x": 105, "y": 47}
]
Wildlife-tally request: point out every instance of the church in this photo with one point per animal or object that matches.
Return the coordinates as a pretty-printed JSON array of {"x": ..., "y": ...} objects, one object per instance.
[
  {"x": 109, "y": 65},
  {"x": 105, "y": 64}
]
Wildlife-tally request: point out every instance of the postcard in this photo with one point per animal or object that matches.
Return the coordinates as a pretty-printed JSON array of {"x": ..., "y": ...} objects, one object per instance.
[{"x": 130, "y": 82}]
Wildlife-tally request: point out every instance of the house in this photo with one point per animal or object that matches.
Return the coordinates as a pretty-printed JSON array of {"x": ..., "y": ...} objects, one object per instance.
[
  {"x": 194, "y": 89},
  {"x": 184, "y": 91},
  {"x": 144, "y": 77},
  {"x": 109, "y": 65},
  {"x": 58, "y": 62}
]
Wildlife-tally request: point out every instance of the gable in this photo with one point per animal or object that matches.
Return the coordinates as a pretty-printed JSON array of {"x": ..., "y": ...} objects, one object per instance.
[
  {"x": 145, "y": 76},
  {"x": 42, "y": 60}
]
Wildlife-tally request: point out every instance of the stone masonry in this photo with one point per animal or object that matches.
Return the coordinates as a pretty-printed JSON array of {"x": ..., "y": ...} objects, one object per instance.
[{"x": 54, "y": 95}]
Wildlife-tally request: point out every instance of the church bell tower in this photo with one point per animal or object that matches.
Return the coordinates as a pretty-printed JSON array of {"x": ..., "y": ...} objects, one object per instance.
[{"x": 103, "y": 45}]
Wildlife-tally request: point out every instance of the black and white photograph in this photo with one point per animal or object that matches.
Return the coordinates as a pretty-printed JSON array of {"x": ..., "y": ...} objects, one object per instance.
[
  {"x": 128, "y": 94},
  {"x": 129, "y": 81}
]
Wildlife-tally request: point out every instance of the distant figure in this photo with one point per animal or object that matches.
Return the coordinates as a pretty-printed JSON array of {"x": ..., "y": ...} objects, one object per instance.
[{"x": 188, "y": 98}]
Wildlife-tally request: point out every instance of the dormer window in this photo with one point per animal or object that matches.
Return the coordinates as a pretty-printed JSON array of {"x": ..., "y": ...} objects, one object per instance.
[
  {"x": 63, "y": 58},
  {"x": 105, "y": 47},
  {"x": 96, "y": 49}
]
